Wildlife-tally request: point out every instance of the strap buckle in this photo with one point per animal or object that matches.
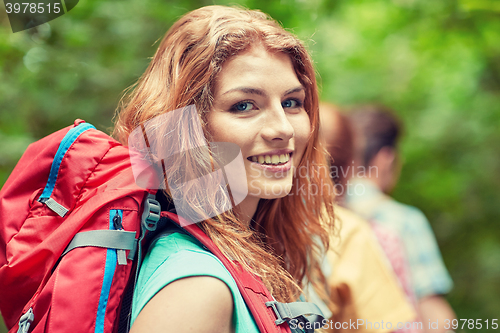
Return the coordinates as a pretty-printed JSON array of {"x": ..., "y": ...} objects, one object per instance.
[
  {"x": 309, "y": 314},
  {"x": 273, "y": 304},
  {"x": 151, "y": 213}
]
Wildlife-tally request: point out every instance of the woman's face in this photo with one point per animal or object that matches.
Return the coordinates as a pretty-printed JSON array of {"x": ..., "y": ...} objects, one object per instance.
[{"x": 258, "y": 105}]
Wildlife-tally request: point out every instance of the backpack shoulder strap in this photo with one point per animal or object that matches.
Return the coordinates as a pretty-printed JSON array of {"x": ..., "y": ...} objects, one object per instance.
[{"x": 269, "y": 314}]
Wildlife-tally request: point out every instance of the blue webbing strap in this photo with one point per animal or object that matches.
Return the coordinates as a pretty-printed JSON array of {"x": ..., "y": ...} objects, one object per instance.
[{"x": 109, "y": 272}]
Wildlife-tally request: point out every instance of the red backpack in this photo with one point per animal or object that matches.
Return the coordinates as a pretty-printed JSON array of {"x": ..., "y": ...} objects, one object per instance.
[{"x": 73, "y": 222}]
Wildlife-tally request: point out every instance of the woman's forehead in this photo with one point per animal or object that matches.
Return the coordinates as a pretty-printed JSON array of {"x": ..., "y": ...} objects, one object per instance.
[{"x": 257, "y": 67}]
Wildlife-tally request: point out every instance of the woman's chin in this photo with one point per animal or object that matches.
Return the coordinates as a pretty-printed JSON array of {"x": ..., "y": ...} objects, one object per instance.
[{"x": 270, "y": 190}]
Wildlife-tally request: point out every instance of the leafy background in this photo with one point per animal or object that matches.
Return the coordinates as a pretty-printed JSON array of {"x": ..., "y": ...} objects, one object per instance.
[{"x": 437, "y": 63}]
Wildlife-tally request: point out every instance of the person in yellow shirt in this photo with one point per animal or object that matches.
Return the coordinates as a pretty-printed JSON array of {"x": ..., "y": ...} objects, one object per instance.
[{"x": 365, "y": 292}]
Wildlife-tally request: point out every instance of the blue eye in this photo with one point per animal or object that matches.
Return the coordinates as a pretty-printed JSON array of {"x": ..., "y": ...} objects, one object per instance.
[
  {"x": 242, "y": 106},
  {"x": 291, "y": 103}
]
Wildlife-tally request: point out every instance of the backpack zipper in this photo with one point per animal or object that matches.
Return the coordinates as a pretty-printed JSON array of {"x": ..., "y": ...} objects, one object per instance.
[
  {"x": 117, "y": 221},
  {"x": 118, "y": 225},
  {"x": 64, "y": 146},
  {"x": 25, "y": 321}
]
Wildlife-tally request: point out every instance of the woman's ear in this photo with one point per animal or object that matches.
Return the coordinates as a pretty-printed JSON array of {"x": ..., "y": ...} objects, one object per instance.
[
  {"x": 388, "y": 155},
  {"x": 387, "y": 168}
]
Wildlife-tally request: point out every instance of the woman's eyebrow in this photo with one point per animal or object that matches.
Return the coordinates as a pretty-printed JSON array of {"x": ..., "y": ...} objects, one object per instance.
[
  {"x": 247, "y": 90},
  {"x": 294, "y": 90},
  {"x": 260, "y": 92}
]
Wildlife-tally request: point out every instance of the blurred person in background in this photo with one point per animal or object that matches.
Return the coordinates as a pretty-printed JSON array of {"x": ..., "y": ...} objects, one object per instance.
[
  {"x": 362, "y": 283},
  {"x": 377, "y": 168}
]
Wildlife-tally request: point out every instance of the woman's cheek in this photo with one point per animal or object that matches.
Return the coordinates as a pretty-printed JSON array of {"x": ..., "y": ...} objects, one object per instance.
[{"x": 302, "y": 127}]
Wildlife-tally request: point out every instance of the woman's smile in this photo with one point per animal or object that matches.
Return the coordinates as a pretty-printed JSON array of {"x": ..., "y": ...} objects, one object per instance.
[{"x": 273, "y": 161}]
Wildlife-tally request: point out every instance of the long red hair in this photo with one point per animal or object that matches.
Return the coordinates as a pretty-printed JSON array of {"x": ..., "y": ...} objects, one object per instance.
[{"x": 285, "y": 244}]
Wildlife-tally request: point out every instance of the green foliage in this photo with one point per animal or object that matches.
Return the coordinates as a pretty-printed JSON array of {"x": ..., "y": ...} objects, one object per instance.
[{"x": 437, "y": 63}]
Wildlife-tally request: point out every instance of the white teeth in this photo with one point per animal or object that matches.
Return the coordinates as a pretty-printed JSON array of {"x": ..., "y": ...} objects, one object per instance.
[{"x": 271, "y": 159}]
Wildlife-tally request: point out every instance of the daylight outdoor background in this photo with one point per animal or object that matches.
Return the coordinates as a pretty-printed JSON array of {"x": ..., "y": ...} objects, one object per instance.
[{"x": 437, "y": 63}]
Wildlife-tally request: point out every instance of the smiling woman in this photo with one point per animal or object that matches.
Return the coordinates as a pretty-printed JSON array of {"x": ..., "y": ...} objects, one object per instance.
[{"x": 253, "y": 85}]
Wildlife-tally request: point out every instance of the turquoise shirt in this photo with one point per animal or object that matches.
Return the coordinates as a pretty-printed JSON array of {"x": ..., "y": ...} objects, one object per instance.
[{"x": 177, "y": 256}]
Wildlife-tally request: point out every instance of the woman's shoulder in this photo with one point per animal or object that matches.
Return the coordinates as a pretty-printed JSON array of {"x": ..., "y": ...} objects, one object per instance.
[
  {"x": 179, "y": 274},
  {"x": 198, "y": 304},
  {"x": 178, "y": 256},
  {"x": 172, "y": 258}
]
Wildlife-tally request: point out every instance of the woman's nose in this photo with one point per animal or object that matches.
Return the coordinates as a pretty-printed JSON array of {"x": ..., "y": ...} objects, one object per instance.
[{"x": 277, "y": 127}]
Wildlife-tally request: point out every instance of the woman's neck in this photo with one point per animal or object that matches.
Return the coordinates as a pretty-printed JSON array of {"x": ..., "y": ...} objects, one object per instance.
[{"x": 247, "y": 209}]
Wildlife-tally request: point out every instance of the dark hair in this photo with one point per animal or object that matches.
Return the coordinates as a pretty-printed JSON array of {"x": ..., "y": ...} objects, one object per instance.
[
  {"x": 337, "y": 133},
  {"x": 375, "y": 127}
]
